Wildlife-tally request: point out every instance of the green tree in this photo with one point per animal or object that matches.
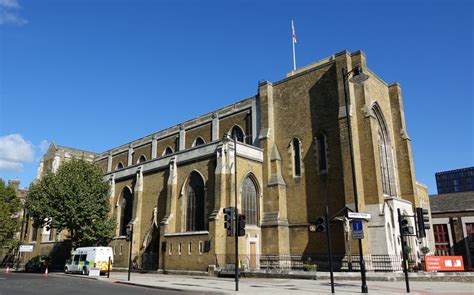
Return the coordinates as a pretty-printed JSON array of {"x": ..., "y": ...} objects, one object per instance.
[
  {"x": 10, "y": 205},
  {"x": 75, "y": 199}
]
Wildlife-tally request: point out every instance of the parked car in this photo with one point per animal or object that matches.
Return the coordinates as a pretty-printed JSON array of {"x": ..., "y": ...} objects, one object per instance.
[{"x": 38, "y": 263}]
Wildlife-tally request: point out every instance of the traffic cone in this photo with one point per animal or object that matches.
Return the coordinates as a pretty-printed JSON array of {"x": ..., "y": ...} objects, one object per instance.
[{"x": 45, "y": 273}]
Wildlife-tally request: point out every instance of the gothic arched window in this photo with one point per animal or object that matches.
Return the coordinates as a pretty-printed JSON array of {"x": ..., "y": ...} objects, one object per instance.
[
  {"x": 249, "y": 201},
  {"x": 141, "y": 159},
  {"x": 167, "y": 151},
  {"x": 296, "y": 153},
  {"x": 119, "y": 166},
  {"x": 126, "y": 207},
  {"x": 385, "y": 155},
  {"x": 198, "y": 141},
  {"x": 237, "y": 133},
  {"x": 195, "y": 215}
]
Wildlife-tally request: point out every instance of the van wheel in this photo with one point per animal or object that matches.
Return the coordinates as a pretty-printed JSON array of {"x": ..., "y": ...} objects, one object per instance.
[
  {"x": 84, "y": 271},
  {"x": 66, "y": 269}
]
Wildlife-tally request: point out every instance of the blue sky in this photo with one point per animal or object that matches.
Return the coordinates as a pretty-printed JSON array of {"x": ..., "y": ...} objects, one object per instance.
[{"x": 97, "y": 74}]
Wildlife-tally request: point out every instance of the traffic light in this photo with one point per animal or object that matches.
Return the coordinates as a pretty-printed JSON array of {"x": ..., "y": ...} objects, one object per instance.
[
  {"x": 241, "y": 225},
  {"x": 406, "y": 248},
  {"x": 229, "y": 213},
  {"x": 320, "y": 224},
  {"x": 128, "y": 237},
  {"x": 423, "y": 220},
  {"x": 406, "y": 229}
]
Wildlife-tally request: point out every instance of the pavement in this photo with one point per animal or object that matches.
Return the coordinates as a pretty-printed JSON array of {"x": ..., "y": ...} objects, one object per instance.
[{"x": 262, "y": 286}]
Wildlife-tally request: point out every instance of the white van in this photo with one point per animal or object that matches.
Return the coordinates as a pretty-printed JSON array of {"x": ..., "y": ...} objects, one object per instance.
[{"x": 85, "y": 258}]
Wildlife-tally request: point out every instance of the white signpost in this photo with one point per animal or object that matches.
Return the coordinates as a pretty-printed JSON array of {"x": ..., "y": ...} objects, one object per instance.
[
  {"x": 26, "y": 248},
  {"x": 357, "y": 229},
  {"x": 357, "y": 223}
]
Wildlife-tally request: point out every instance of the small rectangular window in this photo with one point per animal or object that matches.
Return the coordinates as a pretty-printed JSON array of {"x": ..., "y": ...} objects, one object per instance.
[
  {"x": 121, "y": 249},
  {"x": 296, "y": 157},
  {"x": 34, "y": 234},
  {"x": 322, "y": 153},
  {"x": 190, "y": 248},
  {"x": 115, "y": 249},
  {"x": 179, "y": 249},
  {"x": 83, "y": 257},
  {"x": 201, "y": 247},
  {"x": 171, "y": 249}
]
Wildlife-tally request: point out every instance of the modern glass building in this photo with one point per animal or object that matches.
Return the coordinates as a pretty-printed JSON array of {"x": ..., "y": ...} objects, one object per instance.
[{"x": 453, "y": 181}]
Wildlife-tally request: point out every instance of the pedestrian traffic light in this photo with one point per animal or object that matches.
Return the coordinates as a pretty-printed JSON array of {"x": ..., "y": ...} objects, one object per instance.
[
  {"x": 405, "y": 227},
  {"x": 229, "y": 213},
  {"x": 129, "y": 232},
  {"x": 320, "y": 224},
  {"x": 423, "y": 221},
  {"x": 241, "y": 225}
]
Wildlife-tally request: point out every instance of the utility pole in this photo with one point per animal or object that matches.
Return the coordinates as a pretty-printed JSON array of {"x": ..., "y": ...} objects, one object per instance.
[
  {"x": 328, "y": 236},
  {"x": 236, "y": 218},
  {"x": 357, "y": 72}
]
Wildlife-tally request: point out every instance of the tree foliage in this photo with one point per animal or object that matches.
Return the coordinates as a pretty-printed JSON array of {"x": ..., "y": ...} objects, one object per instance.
[
  {"x": 10, "y": 205},
  {"x": 75, "y": 199}
]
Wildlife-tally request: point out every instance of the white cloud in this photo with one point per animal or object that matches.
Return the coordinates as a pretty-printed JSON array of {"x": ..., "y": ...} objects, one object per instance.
[
  {"x": 9, "y": 13},
  {"x": 9, "y": 3},
  {"x": 14, "y": 152}
]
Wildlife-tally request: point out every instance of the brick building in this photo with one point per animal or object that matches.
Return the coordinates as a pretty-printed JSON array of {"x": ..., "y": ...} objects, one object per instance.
[
  {"x": 453, "y": 225},
  {"x": 292, "y": 158},
  {"x": 47, "y": 241}
]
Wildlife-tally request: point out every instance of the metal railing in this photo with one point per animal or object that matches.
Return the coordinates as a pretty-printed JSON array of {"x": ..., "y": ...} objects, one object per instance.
[{"x": 279, "y": 263}]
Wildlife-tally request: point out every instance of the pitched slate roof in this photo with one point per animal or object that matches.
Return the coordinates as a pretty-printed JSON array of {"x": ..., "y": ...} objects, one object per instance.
[{"x": 453, "y": 202}]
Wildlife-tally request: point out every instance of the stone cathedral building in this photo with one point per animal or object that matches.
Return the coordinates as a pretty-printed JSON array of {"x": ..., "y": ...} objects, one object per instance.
[{"x": 292, "y": 159}]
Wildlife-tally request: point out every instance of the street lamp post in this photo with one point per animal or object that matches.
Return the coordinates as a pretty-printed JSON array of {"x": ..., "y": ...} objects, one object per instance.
[
  {"x": 236, "y": 214},
  {"x": 129, "y": 238},
  {"x": 358, "y": 77}
]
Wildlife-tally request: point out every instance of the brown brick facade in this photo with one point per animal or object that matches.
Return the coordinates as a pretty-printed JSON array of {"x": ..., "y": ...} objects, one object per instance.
[{"x": 306, "y": 105}]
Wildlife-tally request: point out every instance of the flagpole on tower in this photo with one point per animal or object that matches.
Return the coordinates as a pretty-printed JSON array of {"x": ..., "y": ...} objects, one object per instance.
[{"x": 293, "y": 41}]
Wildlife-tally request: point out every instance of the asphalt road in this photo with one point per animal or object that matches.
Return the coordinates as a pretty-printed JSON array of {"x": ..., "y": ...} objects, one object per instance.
[{"x": 37, "y": 284}]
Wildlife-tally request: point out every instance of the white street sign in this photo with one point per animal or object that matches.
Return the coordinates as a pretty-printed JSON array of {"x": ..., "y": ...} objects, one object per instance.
[
  {"x": 26, "y": 248},
  {"x": 358, "y": 215},
  {"x": 357, "y": 229},
  {"x": 94, "y": 272},
  {"x": 357, "y": 235}
]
